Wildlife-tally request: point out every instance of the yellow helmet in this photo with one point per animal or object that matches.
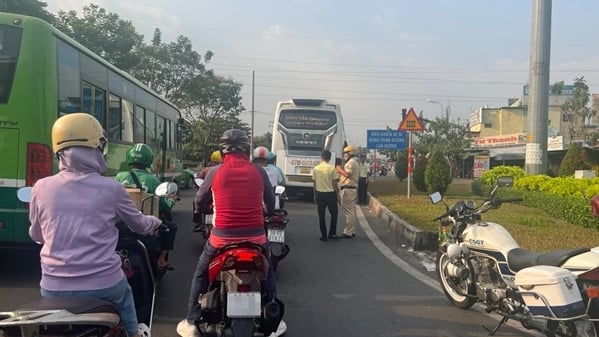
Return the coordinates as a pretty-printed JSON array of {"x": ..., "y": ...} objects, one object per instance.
[
  {"x": 216, "y": 157},
  {"x": 78, "y": 129},
  {"x": 350, "y": 149}
]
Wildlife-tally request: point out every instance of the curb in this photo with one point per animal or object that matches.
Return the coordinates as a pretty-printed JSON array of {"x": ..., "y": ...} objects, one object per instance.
[{"x": 400, "y": 230}]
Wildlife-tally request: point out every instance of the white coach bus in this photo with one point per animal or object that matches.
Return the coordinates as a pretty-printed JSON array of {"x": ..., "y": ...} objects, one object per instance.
[{"x": 302, "y": 129}]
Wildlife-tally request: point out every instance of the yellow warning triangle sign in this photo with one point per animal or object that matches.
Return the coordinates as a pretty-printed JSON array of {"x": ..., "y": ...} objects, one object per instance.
[{"x": 411, "y": 122}]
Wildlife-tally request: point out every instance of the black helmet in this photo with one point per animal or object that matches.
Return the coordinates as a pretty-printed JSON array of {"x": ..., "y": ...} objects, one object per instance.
[{"x": 235, "y": 140}]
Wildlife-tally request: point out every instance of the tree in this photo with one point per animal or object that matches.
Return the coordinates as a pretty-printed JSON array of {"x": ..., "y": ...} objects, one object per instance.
[
  {"x": 451, "y": 138},
  {"x": 211, "y": 104},
  {"x": 401, "y": 165},
  {"x": 418, "y": 173},
  {"x": 576, "y": 109},
  {"x": 437, "y": 175},
  {"x": 168, "y": 67},
  {"x": 35, "y": 8},
  {"x": 106, "y": 34},
  {"x": 264, "y": 140},
  {"x": 575, "y": 159}
]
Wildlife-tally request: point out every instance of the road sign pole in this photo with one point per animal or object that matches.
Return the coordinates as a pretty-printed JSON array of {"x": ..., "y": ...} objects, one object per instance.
[{"x": 409, "y": 162}]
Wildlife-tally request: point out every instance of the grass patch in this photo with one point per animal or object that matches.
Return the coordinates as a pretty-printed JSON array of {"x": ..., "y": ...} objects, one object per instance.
[{"x": 532, "y": 228}]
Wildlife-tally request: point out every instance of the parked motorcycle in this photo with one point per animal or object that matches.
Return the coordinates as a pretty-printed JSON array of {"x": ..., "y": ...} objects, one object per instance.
[
  {"x": 235, "y": 304},
  {"x": 81, "y": 316},
  {"x": 556, "y": 293}
]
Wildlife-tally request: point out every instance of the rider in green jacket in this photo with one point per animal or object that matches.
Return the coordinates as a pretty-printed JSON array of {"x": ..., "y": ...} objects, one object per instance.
[{"x": 140, "y": 157}]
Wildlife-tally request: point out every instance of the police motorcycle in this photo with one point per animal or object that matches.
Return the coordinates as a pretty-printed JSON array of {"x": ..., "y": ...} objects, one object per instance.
[
  {"x": 555, "y": 293},
  {"x": 275, "y": 228},
  {"x": 81, "y": 316}
]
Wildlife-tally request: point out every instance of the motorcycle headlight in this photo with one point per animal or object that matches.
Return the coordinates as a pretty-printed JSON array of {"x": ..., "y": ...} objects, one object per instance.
[{"x": 454, "y": 251}]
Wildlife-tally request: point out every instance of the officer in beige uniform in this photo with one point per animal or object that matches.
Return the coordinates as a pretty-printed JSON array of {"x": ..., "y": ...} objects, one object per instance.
[{"x": 348, "y": 184}]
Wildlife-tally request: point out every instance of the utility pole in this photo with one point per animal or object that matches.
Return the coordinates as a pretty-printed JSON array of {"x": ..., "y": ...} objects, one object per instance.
[
  {"x": 538, "y": 93},
  {"x": 252, "y": 135}
]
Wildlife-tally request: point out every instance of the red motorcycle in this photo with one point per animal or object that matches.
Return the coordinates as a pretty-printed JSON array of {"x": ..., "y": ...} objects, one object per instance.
[{"x": 235, "y": 304}]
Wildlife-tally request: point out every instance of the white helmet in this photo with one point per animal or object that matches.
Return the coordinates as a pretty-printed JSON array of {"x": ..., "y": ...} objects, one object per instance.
[{"x": 261, "y": 152}]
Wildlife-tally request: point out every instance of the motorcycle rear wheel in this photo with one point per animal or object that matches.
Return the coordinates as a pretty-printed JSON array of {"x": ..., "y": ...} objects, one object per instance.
[{"x": 454, "y": 288}]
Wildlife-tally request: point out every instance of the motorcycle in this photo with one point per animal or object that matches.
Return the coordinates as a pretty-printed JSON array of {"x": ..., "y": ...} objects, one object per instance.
[
  {"x": 556, "y": 293},
  {"x": 83, "y": 316},
  {"x": 203, "y": 219},
  {"x": 275, "y": 229},
  {"x": 235, "y": 304}
]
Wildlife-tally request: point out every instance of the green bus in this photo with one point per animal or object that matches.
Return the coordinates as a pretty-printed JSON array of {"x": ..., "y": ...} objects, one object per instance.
[{"x": 45, "y": 74}]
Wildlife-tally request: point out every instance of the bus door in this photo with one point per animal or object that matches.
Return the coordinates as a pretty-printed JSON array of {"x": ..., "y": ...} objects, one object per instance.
[{"x": 9, "y": 140}]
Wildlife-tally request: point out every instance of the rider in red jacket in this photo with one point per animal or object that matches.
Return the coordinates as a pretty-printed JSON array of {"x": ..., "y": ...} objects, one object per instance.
[{"x": 239, "y": 191}]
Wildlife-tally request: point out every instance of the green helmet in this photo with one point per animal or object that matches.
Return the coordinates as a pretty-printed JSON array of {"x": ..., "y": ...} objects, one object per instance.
[{"x": 140, "y": 154}]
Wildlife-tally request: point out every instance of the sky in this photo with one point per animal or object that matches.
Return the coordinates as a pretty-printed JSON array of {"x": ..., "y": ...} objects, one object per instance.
[{"x": 372, "y": 57}]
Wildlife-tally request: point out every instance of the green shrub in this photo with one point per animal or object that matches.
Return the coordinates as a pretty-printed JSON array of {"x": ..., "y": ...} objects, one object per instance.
[
  {"x": 490, "y": 177},
  {"x": 480, "y": 188},
  {"x": 531, "y": 183},
  {"x": 418, "y": 173},
  {"x": 575, "y": 159},
  {"x": 437, "y": 175},
  {"x": 576, "y": 211},
  {"x": 401, "y": 165}
]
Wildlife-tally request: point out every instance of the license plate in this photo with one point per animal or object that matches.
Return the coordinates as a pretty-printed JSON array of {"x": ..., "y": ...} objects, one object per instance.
[
  {"x": 276, "y": 235},
  {"x": 208, "y": 219},
  {"x": 243, "y": 304},
  {"x": 304, "y": 170}
]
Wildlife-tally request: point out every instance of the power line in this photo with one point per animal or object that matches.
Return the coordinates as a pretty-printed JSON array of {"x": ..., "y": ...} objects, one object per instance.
[
  {"x": 419, "y": 69},
  {"x": 380, "y": 93},
  {"x": 390, "y": 80},
  {"x": 383, "y": 99}
]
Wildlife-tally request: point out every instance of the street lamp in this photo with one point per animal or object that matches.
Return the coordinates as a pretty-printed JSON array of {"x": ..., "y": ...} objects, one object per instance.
[{"x": 443, "y": 112}]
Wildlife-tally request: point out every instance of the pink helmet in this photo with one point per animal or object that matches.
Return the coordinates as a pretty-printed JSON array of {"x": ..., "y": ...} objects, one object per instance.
[{"x": 261, "y": 152}]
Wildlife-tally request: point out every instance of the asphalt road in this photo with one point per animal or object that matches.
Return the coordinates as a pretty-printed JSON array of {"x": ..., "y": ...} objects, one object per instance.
[{"x": 360, "y": 287}]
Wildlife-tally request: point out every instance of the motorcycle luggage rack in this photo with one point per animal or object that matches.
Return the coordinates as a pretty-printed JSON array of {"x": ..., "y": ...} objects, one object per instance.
[{"x": 553, "y": 317}]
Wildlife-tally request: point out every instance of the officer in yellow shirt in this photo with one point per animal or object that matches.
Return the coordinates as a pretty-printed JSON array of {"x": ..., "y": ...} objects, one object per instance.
[
  {"x": 326, "y": 195},
  {"x": 348, "y": 184}
]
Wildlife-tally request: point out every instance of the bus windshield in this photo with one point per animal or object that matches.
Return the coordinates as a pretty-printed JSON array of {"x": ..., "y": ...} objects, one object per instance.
[
  {"x": 305, "y": 119},
  {"x": 307, "y": 130},
  {"x": 10, "y": 40}
]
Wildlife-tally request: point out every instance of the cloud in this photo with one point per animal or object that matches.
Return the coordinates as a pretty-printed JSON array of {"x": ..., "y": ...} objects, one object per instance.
[{"x": 273, "y": 32}]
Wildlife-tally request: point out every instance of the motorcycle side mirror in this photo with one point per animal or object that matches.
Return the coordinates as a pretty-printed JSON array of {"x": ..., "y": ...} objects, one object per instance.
[
  {"x": 279, "y": 189},
  {"x": 506, "y": 181},
  {"x": 198, "y": 181},
  {"x": 24, "y": 194},
  {"x": 436, "y": 197},
  {"x": 166, "y": 189}
]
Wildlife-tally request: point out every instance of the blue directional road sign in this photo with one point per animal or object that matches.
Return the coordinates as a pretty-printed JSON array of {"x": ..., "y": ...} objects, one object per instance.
[{"x": 386, "y": 140}]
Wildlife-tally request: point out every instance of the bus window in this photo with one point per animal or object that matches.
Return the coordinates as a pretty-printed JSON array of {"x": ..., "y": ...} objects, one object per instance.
[
  {"x": 93, "y": 101},
  {"x": 305, "y": 130},
  {"x": 10, "y": 41},
  {"x": 114, "y": 118},
  {"x": 68, "y": 79},
  {"x": 128, "y": 117},
  {"x": 139, "y": 125},
  {"x": 171, "y": 132},
  {"x": 151, "y": 138},
  {"x": 161, "y": 134}
]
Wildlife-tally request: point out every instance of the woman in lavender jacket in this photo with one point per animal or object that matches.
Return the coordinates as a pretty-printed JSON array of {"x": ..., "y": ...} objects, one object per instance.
[{"x": 73, "y": 215}]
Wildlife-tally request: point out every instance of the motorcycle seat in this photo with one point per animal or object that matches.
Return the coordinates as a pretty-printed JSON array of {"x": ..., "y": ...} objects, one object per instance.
[
  {"x": 518, "y": 259},
  {"x": 74, "y": 305}
]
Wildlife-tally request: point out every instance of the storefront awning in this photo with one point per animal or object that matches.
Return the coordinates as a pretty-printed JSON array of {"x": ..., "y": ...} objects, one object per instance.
[{"x": 508, "y": 153}]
